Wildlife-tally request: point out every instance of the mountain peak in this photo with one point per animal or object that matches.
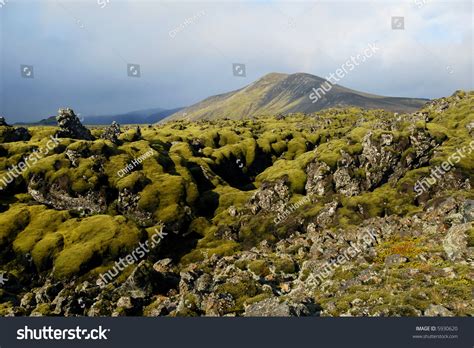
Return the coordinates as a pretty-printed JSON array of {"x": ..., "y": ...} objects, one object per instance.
[
  {"x": 279, "y": 93},
  {"x": 273, "y": 76}
]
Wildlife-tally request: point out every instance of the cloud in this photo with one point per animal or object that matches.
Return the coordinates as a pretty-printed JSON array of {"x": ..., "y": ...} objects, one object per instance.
[{"x": 80, "y": 50}]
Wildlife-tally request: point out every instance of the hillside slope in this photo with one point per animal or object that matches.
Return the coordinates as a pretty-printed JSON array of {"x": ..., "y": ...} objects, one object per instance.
[{"x": 281, "y": 93}]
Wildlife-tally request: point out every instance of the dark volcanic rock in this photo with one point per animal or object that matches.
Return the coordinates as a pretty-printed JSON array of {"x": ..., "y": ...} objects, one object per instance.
[
  {"x": 71, "y": 127},
  {"x": 92, "y": 202},
  {"x": 112, "y": 133},
  {"x": 21, "y": 134},
  {"x": 128, "y": 204},
  {"x": 10, "y": 134},
  {"x": 271, "y": 196}
]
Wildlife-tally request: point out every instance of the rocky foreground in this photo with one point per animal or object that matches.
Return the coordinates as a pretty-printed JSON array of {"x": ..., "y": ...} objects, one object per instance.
[{"x": 336, "y": 213}]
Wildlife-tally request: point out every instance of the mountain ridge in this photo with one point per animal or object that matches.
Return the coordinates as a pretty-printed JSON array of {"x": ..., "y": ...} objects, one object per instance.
[
  {"x": 290, "y": 93},
  {"x": 144, "y": 116}
]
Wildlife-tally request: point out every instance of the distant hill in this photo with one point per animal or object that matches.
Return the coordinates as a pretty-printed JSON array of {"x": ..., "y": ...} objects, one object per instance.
[
  {"x": 135, "y": 117},
  {"x": 282, "y": 93},
  {"x": 147, "y": 116}
]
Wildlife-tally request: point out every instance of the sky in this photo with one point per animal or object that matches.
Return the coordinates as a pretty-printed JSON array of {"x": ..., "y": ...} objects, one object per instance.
[{"x": 78, "y": 51}]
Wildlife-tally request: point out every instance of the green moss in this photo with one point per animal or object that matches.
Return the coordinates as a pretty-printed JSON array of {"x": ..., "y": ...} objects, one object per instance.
[
  {"x": 199, "y": 226},
  {"x": 279, "y": 147},
  {"x": 132, "y": 181},
  {"x": 241, "y": 291},
  {"x": 289, "y": 169},
  {"x": 47, "y": 249},
  {"x": 241, "y": 264},
  {"x": 225, "y": 248},
  {"x": 6, "y": 308},
  {"x": 227, "y": 137},
  {"x": 438, "y": 132},
  {"x": 42, "y": 221},
  {"x": 256, "y": 230},
  {"x": 208, "y": 247},
  {"x": 384, "y": 200},
  {"x": 99, "y": 236},
  {"x": 257, "y": 298},
  {"x": 284, "y": 265},
  {"x": 229, "y": 196},
  {"x": 12, "y": 222},
  {"x": 259, "y": 267},
  {"x": 470, "y": 237},
  {"x": 296, "y": 147},
  {"x": 357, "y": 134},
  {"x": 330, "y": 152},
  {"x": 43, "y": 309}
]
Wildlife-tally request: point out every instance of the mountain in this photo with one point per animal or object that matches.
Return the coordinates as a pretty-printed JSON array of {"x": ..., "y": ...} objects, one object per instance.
[
  {"x": 145, "y": 116},
  {"x": 134, "y": 117},
  {"x": 282, "y": 93}
]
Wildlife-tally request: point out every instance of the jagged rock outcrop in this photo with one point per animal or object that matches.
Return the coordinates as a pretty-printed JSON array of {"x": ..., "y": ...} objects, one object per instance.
[
  {"x": 127, "y": 203},
  {"x": 380, "y": 161},
  {"x": 57, "y": 196},
  {"x": 319, "y": 180},
  {"x": 112, "y": 133},
  {"x": 437, "y": 311},
  {"x": 272, "y": 196},
  {"x": 298, "y": 305},
  {"x": 470, "y": 127},
  {"x": 455, "y": 242},
  {"x": 71, "y": 127},
  {"x": 468, "y": 211},
  {"x": 9, "y": 134}
]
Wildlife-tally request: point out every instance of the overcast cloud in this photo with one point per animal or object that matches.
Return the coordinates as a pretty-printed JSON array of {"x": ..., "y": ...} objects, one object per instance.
[{"x": 80, "y": 50}]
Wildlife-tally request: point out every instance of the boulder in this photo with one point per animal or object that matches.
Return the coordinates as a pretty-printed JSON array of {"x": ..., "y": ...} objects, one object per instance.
[
  {"x": 9, "y": 134},
  {"x": 272, "y": 196},
  {"x": 437, "y": 311},
  {"x": 112, "y": 133},
  {"x": 271, "y": 307},
  {"x": 455, "y": 242},
  {"x": 468, "y": 211},
  {"x": 71, "y": 127},
  {"x": 3, "y": 122}
]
